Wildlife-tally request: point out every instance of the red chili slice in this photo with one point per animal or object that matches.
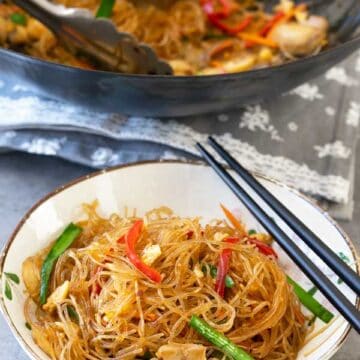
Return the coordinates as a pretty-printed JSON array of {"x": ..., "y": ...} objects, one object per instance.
[
  {"x": 131, "y": 239},
  {"x": 263, "y": 248},
  {"x": 223, "y": 267},
  {"x": 229, "y": 29},
  {"x": 271, "y": 23}
]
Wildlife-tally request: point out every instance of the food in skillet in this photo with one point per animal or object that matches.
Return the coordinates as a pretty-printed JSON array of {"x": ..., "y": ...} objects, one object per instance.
[
  {"x": 197, "y": 37},
  {"x": 163, "y": 287}
]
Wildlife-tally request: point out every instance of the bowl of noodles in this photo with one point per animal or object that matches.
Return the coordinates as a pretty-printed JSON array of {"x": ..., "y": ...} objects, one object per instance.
[
  {"x": 223, "y": 52},
  {"x": 174, "y": 267}
]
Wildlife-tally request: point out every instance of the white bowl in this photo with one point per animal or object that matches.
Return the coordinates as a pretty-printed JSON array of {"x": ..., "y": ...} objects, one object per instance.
[{"x": 190, "y": 190}]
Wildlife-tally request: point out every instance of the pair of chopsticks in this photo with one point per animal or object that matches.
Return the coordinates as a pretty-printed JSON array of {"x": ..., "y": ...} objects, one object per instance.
[{"x": 340, "y": 302}]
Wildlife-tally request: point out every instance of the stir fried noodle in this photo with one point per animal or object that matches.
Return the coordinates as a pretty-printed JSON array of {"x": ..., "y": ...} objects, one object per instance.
[
  {"x": 109, "y": 309},
  {"x": 197, "y": 37}
]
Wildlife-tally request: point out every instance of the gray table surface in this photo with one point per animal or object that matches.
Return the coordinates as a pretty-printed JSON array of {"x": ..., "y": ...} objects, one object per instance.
[{"x": 24, "y": 179}]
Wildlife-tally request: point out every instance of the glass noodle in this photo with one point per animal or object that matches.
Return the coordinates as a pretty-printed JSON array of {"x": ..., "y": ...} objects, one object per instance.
[{"x": 111, "y": 309}]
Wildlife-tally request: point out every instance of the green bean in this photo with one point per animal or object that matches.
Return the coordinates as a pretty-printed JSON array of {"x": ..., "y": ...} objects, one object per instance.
[
  {"x": 61, "y": 244},
  {"x": 310, "y": 302},
  {"x": 218, "y": 339}
]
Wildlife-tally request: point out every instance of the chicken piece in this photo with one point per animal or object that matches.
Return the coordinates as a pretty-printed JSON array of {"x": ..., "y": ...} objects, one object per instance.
[
  {"x": 30, "y": 272},
  {"x": 150, "y": 254},
  {"x": 296, "y": 39},
  {"x": 58, "y": 295},
  {"x": 182, "y": 352},
  {"x": 198, "y": 272},
  {"x": 318, "y": 22},
  {"x": 31, "y": 275}
]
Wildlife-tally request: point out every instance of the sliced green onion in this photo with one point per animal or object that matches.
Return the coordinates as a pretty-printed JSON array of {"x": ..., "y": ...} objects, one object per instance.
[
  {"x": 213, "y": 271},
  {"x": 105, "y": 9},
  {"x": 229, "y": 282},
  {"x": 72, "y": 313},
  {"x": 61, "y": 244},
  {"x": 19, "y": 19},
  {"x": 252, "y": 232},
  {"x": 310, "y": 302},
  {"x": 218, "y": 339}
]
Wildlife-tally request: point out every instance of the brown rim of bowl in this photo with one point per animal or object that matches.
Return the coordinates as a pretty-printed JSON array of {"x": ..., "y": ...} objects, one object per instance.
[{"x": 69, "y": 184}]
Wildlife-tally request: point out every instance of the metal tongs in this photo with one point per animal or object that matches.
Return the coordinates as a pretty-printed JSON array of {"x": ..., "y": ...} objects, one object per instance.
[{"x": 96, "y": 38}]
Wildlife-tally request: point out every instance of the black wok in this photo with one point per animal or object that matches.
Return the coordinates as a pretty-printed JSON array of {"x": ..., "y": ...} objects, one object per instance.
[{"x": 179, "y": 96}]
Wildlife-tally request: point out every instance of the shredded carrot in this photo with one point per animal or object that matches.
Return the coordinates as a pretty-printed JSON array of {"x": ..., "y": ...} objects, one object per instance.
[
  {"x": 233, "y": 220},
  {"x": 222, "y": 46},
  {"x": 257, "y": 39}
]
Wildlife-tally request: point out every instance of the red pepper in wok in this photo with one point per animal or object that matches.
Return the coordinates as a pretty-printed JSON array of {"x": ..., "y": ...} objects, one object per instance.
[{"x": 215, "y": 17}]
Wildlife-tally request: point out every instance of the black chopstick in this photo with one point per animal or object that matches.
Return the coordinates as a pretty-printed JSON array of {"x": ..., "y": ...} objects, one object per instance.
[
  {"x": 340, "y": 302},
  {"x": 347, "y": 274}
]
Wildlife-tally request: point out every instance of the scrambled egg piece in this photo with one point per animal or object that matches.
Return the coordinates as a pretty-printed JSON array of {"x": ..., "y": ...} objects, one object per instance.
[
  {"x": 265, "y": 238},
  {"x": 126, "y": 304},
  {"x": 182, "y": 352},
  {"x": 58, "y": 295},
  {"x": 198, "y": 272},
  {"x": 150, "y": 254},
  {"x": 219, "y": 236}
]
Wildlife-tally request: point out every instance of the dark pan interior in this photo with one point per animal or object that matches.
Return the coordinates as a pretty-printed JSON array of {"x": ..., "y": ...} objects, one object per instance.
[{"x": 180, "y": 96}]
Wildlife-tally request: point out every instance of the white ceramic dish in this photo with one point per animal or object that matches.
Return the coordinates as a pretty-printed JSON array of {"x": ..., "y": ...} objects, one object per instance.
[{"x": 190, "y": 190}]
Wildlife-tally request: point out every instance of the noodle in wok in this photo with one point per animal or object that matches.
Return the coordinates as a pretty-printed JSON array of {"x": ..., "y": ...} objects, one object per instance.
[{"x": 197, "y": 37}]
